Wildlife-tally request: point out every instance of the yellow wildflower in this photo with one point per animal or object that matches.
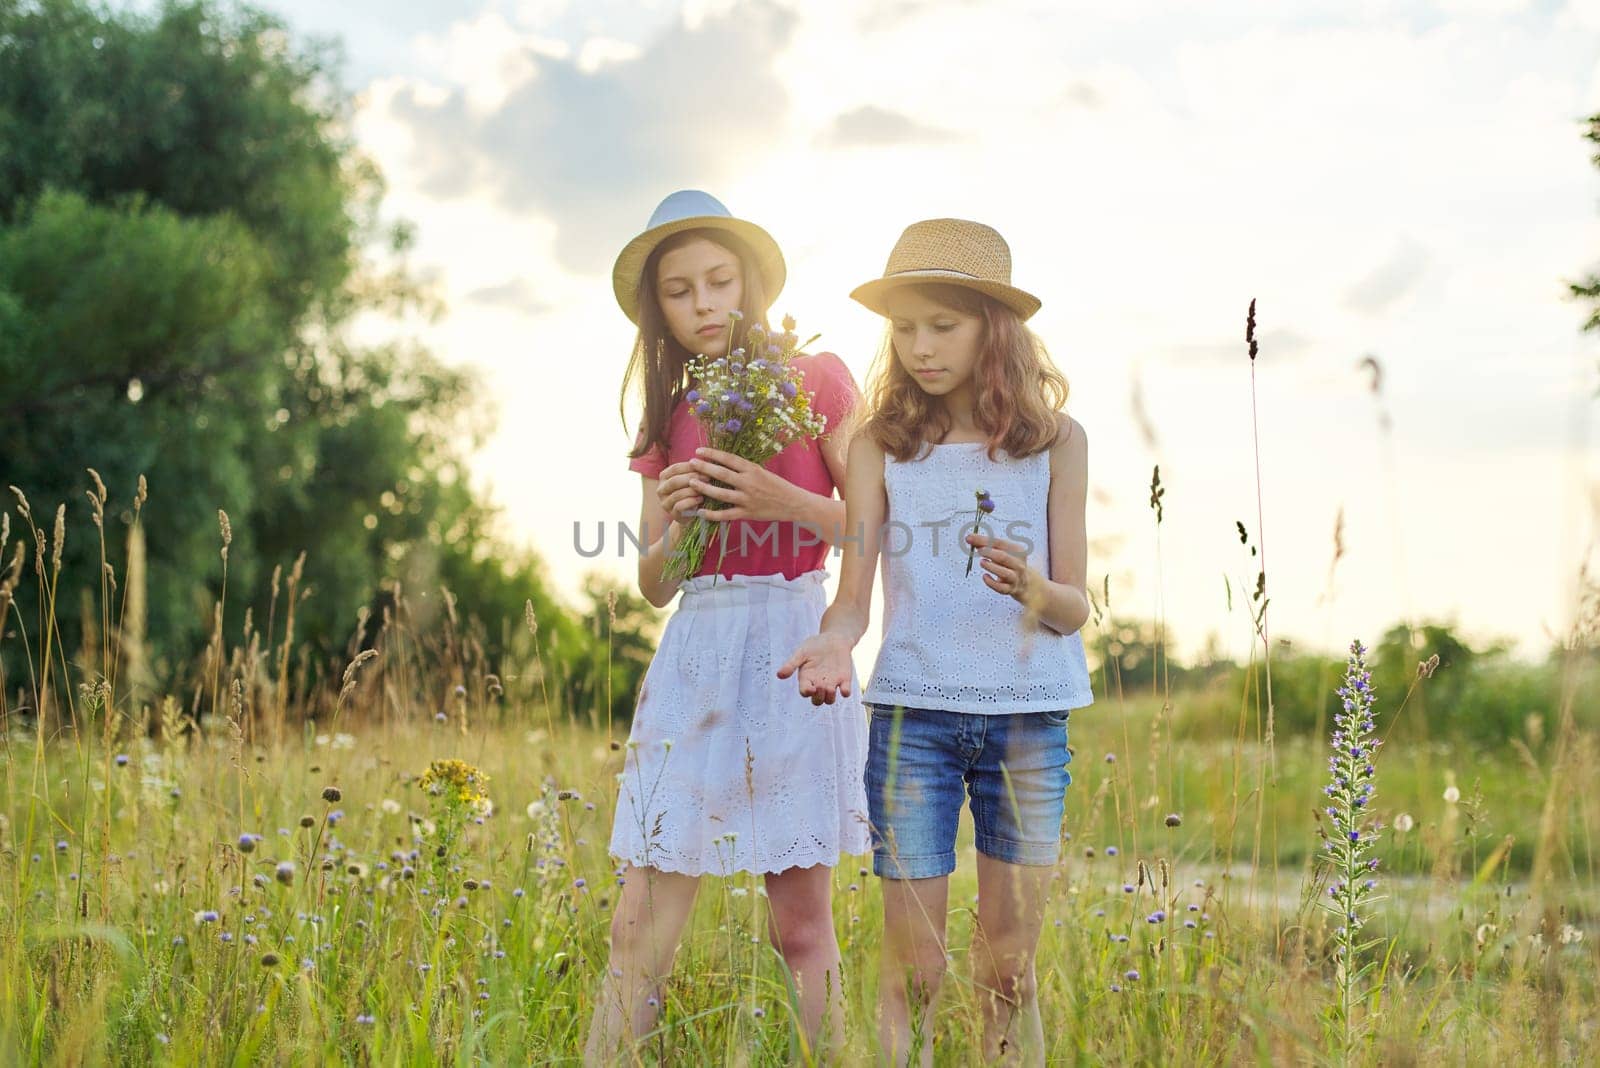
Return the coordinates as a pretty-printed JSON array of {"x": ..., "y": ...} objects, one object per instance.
[{"x": 467, "y": 784}]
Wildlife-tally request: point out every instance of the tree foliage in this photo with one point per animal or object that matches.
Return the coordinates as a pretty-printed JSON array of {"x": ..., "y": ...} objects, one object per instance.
[{"x": 187, "y": 233}]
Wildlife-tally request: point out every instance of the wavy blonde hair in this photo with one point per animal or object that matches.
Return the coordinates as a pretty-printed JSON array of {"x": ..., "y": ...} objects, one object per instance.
[{"x": 1018, "y": 390}]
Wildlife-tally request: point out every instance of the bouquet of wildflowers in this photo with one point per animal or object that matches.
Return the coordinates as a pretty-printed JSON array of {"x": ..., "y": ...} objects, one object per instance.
[{"x": 751, "y": 404}]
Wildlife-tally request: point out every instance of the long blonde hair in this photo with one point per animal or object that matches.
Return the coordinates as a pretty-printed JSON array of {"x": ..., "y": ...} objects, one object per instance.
[{"x": 1017, "y": 388}]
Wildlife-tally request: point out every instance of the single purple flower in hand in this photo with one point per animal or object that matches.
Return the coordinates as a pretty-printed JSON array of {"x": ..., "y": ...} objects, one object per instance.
[{"x": 985, "y": 507}]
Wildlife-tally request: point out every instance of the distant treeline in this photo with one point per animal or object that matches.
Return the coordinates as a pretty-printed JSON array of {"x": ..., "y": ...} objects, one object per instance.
[{"x": 1482, "y": 694}]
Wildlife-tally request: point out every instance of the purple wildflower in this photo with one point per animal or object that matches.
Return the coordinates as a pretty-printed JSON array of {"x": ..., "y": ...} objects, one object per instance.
[{"x": 1351, "y": 773}]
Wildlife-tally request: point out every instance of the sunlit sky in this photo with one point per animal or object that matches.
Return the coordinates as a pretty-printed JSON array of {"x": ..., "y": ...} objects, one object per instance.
[{"x": 1401, "y": 180}]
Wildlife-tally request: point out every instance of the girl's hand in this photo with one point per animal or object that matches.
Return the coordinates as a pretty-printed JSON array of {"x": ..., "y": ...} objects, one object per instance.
[
  {"x": 1006, "y": 568},
  {"x": 823, "y": 663},
  {"x": 676, "y": 492},
  {"x": 752, "y": 492}
]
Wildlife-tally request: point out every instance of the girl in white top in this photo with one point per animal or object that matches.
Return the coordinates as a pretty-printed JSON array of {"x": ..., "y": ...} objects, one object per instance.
[{"x": 979, "y": 668}]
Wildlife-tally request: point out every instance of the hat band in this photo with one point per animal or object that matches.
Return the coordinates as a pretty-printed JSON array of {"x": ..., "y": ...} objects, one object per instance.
[{"x": 944, "y": 270}]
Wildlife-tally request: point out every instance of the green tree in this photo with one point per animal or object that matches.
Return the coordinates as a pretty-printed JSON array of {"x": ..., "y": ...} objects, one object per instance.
[
  {"x": 1437, "y": 700},
  {"x": 186, "y": 231}
]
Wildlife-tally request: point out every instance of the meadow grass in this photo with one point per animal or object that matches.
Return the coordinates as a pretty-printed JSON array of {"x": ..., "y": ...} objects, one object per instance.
[{"x": 202, "y": 899}]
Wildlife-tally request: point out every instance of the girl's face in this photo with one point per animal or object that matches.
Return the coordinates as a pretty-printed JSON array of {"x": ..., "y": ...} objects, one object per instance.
[
  {"x": 697, "y": 285},
  {"x": 937, "y": 345}
]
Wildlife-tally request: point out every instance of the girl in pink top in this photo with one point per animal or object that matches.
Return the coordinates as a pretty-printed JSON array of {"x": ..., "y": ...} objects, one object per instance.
[
  {"x": 776, "y": 546},
  {"x": 727, "y": 769}
]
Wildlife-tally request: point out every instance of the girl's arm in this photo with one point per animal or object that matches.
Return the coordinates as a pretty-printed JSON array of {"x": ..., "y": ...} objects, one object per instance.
[
  {"x": 823, "y": 661},
  {"x": 663, "y": 509},
  {"x": 1060, "y": 600}
]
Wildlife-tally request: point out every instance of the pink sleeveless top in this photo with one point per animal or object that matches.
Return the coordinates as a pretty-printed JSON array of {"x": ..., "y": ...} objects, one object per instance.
[{"x": 760, "y": 547}]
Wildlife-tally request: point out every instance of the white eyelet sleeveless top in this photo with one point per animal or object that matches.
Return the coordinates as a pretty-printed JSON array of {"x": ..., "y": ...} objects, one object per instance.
[{"x": 949, "y": 641}]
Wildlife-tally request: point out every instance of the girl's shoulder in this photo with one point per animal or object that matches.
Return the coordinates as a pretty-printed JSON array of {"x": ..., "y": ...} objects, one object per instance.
[
  {"x": 1069, "y": 432},
  {"x": 1071, "y": 447},
  {"x": 864, "y": 448},
  {"x": 683, "y": 436},
  {"x": 833, "y": 389},
  {"x": 825, "y": 364}
]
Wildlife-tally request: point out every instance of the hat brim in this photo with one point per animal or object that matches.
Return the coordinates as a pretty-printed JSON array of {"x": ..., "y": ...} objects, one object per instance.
[
  {"x": 630, "y": 262},
  {"x": 871, "y": 294}
]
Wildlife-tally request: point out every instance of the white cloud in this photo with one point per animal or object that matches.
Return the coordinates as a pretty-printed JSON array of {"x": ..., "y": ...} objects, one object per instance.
[
  {"x": 1581, "y": 14},
  {"x": 583, "y": 142},
  {"x": 870, "y": 126},
  {"x": 597, "y": 52},
  {"x": 485, "y": 58},
  {"x": 537, "y": 13},
  {"x": 1390, "y": 281},
  {"x": 1482, "y": 7},
  {"x": 516, "y": 294}
]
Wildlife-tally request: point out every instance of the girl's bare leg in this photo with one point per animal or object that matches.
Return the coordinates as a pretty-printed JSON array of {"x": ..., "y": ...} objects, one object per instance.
[
  {"x": 651, "y": 911},
  {"x": 913, "y": 966},
  {"x": 801, "y": 929},
  {"x": 1011, "y": 900}
]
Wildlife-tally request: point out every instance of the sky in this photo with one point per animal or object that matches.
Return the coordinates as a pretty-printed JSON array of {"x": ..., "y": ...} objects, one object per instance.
[{"x": 1402, "y": 187}]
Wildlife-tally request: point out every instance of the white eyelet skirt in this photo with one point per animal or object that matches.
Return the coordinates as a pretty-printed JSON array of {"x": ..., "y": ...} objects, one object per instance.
[{"x": 728, "y": 768}]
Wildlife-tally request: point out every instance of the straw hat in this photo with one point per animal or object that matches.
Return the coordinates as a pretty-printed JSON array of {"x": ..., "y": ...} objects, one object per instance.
[
  {"x": 691, "y": 209},
  {"x": 955, "y": 252}
]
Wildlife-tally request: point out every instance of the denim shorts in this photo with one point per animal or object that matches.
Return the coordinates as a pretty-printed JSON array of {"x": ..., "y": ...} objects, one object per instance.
[{"x": 919, "y": 761}]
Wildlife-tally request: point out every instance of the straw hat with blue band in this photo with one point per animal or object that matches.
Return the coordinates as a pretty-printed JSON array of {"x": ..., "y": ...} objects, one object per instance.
[
  {"x": 691, "y": 209},
  {"x": 955, "y": 252}
]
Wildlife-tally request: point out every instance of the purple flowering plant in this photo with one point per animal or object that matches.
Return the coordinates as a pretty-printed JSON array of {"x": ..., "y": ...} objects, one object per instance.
[
  {"x": 1352, "y": 767},
  {"x": 750, "y": 403}
]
